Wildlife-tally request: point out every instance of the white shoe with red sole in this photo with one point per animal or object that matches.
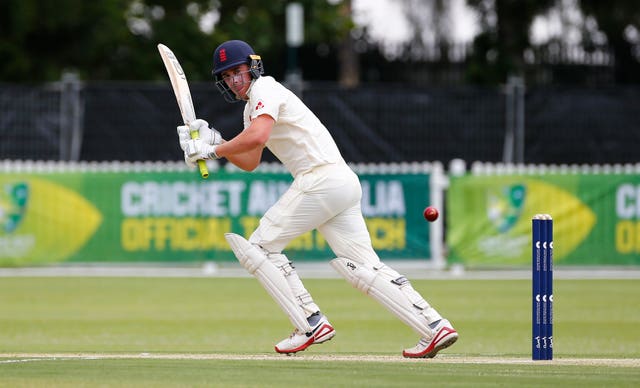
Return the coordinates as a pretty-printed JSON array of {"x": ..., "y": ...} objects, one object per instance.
[
  {"x": 445, "y": 335},
  {"x": 297, "y": 341}
]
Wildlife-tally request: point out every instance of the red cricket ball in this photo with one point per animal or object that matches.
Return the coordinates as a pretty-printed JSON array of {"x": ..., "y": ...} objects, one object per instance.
[{"x": 430, "y": 213}]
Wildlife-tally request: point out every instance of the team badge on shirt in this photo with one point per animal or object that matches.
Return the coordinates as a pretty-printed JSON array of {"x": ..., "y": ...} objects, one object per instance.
[{"x": 259, "y": 105}]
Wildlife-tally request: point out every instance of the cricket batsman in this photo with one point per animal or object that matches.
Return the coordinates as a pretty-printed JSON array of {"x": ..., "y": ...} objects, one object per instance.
[{"x": 325, "y": 195}]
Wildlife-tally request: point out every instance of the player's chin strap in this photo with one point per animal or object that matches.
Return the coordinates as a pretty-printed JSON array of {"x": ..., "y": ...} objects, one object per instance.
[
  {"x": 392, "y": 290},
  {"x": 271, "y": 278}
]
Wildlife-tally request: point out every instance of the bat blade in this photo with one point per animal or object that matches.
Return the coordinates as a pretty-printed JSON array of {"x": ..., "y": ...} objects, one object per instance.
[{"x": 183, "y": 95}]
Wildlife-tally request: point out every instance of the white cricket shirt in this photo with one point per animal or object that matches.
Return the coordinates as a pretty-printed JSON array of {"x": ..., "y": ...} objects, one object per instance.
[{"x": 298, "y": 139}]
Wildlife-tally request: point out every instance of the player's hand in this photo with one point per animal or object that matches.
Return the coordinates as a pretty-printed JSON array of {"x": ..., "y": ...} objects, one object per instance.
[
  {"x": 184, "y": 135},
  {"x": 208, "y": 135},
  {"x": 197, "y": 149}
]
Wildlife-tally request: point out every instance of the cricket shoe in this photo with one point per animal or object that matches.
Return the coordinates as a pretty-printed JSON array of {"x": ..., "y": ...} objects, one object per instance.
[
  {"x": 445, "y": 335},
  {"x": 320, "y": 332}
]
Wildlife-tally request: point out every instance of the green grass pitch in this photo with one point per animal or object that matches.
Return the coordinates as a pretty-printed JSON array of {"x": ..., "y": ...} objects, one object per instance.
[{"x": 101, "y": 331}]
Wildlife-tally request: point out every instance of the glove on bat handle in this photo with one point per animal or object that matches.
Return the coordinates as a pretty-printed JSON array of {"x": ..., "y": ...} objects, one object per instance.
[{"x": 204, "y": 172}]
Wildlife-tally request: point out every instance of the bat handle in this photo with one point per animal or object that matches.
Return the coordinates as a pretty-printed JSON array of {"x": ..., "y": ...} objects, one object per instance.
[{"x": 204, "y": 172}]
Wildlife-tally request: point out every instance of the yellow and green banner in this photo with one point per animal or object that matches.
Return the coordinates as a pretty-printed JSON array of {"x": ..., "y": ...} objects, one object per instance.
[
  {"x": 176, "y": 216},
  {"x": 596, "y": 218}
]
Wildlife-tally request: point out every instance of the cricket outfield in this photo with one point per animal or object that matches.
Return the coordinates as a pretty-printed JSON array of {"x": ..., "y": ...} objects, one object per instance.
[{"x": 219, "y": 331}]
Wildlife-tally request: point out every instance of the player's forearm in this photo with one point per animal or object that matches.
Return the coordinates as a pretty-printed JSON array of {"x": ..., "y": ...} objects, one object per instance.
[
  {"x": 245, "y": 150},
  {"x": 244, "y": 142},
  {"x": 247, "y": 161},
  {"x": 254, "y": 136}
]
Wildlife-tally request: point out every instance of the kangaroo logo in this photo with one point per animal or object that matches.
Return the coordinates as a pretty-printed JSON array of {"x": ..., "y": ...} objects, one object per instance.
[
  {"x": 504, "y": 208},
  {"x": 13, "y": 204}
]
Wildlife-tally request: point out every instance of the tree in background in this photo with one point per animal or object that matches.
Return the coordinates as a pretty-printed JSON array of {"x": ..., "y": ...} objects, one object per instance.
[
  {"x": 116, "y": 39},
  {"x": 498, "y": 51},
  {"x": 41, "y": 38},
  {"x": 620, "y": 22},
  {"x": 578, "y": 34}
]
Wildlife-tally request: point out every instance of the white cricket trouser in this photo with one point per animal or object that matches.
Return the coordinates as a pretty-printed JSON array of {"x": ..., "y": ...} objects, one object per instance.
[{"x": 328, "y": 199}]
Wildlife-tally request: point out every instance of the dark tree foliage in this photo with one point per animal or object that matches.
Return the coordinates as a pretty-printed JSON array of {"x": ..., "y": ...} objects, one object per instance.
[
  {"x": 103, "y": 40},
  {"x": 41, "y": 38},
  {"x": 614, "y": 18},
  {"x": 116, "y": 39},
  {"x": 498, "y": 50}
]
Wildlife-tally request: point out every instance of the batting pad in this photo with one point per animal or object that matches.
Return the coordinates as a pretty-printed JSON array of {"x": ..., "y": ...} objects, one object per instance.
[
  {"x": 271, "y": 278},
  {"x": 387, "y": 288}
]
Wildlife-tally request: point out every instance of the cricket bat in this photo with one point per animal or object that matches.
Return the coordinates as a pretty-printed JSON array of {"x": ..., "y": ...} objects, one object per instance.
[{"x": 183, "y": 95}]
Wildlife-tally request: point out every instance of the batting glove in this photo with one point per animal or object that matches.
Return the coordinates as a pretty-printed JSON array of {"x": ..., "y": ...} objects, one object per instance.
[
  {"x": 208, "y": 135},
  {"x": 197, "y": 149}
]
